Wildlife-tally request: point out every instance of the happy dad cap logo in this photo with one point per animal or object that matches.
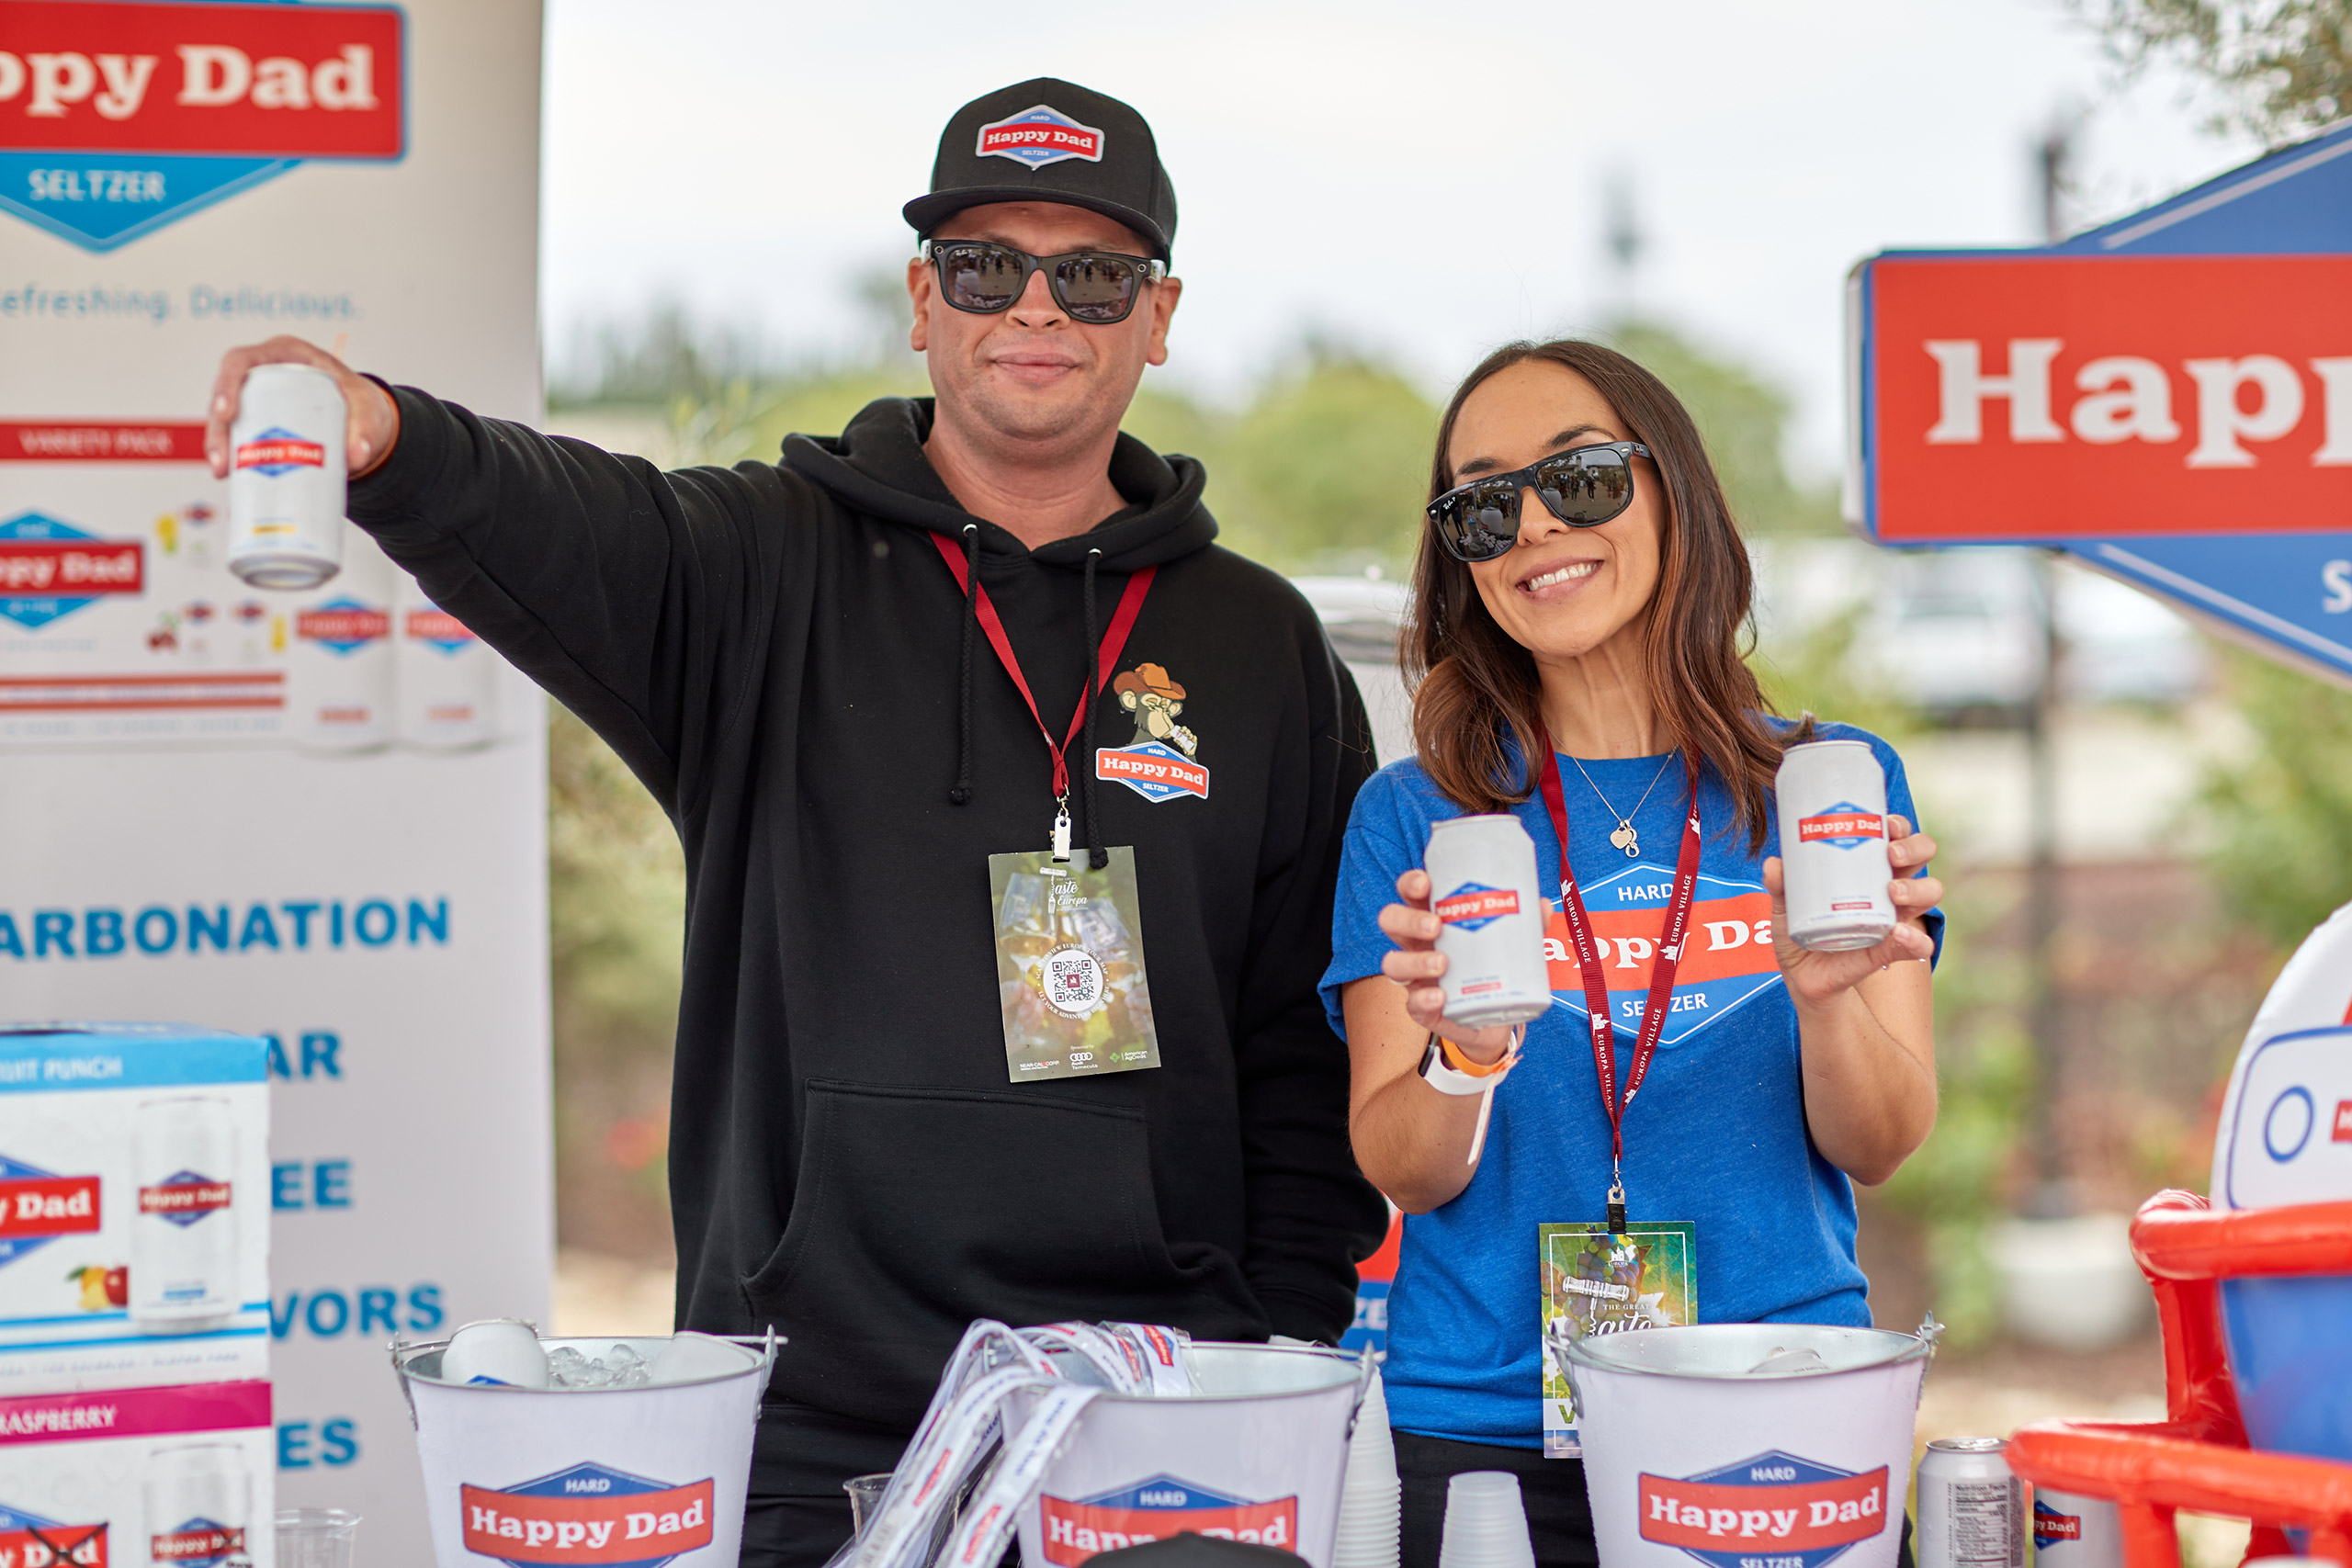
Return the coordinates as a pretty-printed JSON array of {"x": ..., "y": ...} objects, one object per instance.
[{"x": 1040, "y": 136}]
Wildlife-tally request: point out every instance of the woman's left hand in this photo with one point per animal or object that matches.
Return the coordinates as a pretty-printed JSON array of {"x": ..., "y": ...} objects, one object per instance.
[{"x": 1817, "y": 976}]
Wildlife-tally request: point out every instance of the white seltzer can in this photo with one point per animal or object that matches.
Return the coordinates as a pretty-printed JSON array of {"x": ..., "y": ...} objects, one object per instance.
[
  {"x": 286, "y": 477},
  {"x": 1483, "y": 890},
  {"x": 184, "y": 1274},
  {"x": 199, "y": 1506},
  {"x": 1972, "y": 1509},
  {"x": 1832, "y": 805},
  {"x": 2075, "y": 1531}
]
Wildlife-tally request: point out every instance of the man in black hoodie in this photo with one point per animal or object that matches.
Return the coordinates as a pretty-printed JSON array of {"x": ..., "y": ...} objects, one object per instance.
[{"x": 845, "y": 733}]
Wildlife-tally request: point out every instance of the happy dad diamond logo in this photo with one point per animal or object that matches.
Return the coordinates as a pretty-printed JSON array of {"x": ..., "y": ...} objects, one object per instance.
[{"x": 120, "y": 117}]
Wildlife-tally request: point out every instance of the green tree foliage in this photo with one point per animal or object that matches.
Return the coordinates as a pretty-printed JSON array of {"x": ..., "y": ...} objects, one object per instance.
[
  {"x": 2282, "y": 813},
  {"x": 1744, "y": 421},
  {"x": 2286, "y": 65}
]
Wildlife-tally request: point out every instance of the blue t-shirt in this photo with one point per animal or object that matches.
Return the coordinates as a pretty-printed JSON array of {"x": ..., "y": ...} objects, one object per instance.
[{"x": 1717, "y": 1136}]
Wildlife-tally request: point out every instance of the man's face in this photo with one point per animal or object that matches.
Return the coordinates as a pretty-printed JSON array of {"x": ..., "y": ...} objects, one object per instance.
[{"x": 1030, "y": 373}]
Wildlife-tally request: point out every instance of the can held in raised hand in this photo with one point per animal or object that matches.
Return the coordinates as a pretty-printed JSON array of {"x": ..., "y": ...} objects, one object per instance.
[
  {"x": 1972, "y": 1509},
  {"x": 1483, "y": 890},
  {"x": 2072, "y": 1531},
  {"x": 1832, "y": 802},
  {"x": 286, "y": 477},
  {"x": 199, "y": 1506},
  {"x": 184, "y": 1274}
]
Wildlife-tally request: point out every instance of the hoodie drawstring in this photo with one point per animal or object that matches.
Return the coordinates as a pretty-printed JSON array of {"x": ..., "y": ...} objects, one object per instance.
[
  {"x": 962, "y": 794},
  {"x": 1096, "y": 855}
]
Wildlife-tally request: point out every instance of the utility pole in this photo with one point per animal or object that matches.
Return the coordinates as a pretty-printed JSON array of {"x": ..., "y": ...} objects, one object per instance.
[{"x": 2053, "y": 1196}]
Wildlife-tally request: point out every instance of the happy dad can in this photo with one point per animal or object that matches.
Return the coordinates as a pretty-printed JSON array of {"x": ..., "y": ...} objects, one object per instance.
[
  {"x": 1483, "y": 889},
  {"x": 1832, "y": 799},
  {"x": 286, "y": 477}
]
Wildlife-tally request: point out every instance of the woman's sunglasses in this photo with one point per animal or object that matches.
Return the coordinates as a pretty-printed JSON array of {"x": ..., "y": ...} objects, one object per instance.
[
  {"x": 1583, "y": 487},
  {"x": 1098, "y": 287}
]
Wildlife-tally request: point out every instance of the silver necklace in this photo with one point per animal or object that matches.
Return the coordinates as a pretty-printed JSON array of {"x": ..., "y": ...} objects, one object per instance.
[{"x": 1625, "y": 838}]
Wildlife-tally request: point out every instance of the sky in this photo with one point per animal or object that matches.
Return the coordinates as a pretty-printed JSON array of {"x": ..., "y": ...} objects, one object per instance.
[{"x": 1422, "y": 182}]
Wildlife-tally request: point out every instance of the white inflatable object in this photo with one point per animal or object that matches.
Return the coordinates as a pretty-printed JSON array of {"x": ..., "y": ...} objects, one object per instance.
[{"x": 2286, "y": 1134}]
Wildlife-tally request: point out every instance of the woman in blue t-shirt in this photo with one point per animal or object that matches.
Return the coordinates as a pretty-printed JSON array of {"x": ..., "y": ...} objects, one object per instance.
[{"x": 1579, "y": 598}]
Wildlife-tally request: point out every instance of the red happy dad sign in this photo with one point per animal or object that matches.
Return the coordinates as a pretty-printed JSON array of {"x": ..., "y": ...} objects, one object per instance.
[
  {"x": 2054, "y": 397},
  {"x": 266, "y": 80}
]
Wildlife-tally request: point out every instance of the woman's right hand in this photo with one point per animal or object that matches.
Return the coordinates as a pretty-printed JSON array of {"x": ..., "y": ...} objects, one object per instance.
[{"x": 1417, "y": 965}]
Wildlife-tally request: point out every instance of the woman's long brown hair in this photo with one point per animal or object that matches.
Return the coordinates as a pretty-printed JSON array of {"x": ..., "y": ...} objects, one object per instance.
[{"x": 1473, "y": 688}]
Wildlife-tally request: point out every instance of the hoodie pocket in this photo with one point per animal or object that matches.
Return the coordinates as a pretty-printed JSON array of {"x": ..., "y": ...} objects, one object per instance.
[{"x": 920, "y": 1209}]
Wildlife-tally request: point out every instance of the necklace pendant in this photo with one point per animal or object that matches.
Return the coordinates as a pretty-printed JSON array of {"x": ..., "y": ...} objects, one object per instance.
[{"x": 1625, "y": 839}]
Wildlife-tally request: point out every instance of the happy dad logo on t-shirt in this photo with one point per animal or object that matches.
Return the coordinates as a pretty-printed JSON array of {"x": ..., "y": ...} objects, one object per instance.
[{"x": 1728, "y": 957}]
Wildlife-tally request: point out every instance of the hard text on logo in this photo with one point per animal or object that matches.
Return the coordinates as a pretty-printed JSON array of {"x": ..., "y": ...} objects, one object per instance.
[
  {"x": 182, "y": 1198},
  {"x": 2050, "y": 1527},
  {"x": 1791, "y": 1509},
  {"x": 33, "y": 1541},
  {"x": 1845, "y": 825},
  {"x": 199, "y": 1542},
  {"x": 342, "y": 625},
  {"x": 588, "y": 1514},
  {"x": 1040, "y": 136},
  {"x": 35, "y": 1207},
  {"x": 2182, "y": 370},
  {"x": 1153, "y": 771},
  {"x": 119, "y": 118},
  {"x": 2342, "y": 1133},
  {"x": 50, "y": 568},
  {"x": 277, "y": 451},
  {"x": 1726, "y": 959},
  {"x": 1160, "y": 1509},
  {"x": 1473, "y": 906}
]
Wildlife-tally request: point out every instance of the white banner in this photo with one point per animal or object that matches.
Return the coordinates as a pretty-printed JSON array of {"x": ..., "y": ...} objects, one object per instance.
[{"x": 319, "y": 817}]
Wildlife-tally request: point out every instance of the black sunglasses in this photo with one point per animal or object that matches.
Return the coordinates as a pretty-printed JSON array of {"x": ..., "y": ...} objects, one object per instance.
[
  {"x": 1098, "y": 287},
  {"x": 1583, "y": 487}
]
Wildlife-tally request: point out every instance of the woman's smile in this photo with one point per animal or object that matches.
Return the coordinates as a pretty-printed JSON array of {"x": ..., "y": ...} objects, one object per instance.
[{"x": 1547, "y": 582}]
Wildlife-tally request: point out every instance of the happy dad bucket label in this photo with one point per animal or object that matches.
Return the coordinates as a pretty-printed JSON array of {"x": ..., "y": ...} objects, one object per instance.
[
  {"x": 1774, "y": 1509},
  {"x": 1157, "y": 1510},
  {"x": 587, "y": 1513}
]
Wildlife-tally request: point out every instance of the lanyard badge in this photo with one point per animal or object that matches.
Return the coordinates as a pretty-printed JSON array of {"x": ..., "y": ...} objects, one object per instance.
[
  {"x": 1070, "y": 975},
  {"x": 1596, "y": 986},
  {"x": 1614, "y": 1277}
]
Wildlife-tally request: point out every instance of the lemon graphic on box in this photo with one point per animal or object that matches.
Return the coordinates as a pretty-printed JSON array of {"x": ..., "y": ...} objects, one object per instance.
[{"x": 101, "y": 1287}]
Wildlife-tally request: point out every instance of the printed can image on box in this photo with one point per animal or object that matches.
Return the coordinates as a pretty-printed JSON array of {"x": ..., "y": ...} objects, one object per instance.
[
  {"x": 180, "y": 1477},
  {"x": 134, "y": 1207}
]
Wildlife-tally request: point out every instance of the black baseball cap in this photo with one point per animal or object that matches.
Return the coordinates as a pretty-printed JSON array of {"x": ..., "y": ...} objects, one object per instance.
[{"x": 1051, "y": 140}]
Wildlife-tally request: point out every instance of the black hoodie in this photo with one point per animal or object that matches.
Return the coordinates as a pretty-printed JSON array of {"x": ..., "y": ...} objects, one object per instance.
[{"x": 778, "y": 652}]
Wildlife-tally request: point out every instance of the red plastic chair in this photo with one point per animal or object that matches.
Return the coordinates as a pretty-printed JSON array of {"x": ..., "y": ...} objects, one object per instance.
[{"x": 2198, "y": 1458}]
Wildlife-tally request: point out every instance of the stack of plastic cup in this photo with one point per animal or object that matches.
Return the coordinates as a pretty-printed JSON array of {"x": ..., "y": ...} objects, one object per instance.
[
  {"x": 1370, "y": 1500},
  {"x": 1485, "y": 1523},
  {"x": 315, "y": 1538}
]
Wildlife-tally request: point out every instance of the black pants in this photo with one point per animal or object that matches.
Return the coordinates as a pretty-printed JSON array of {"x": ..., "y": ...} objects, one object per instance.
[
  {"x": 798, "y": 1515},
  {"x": 1559, "y": 1519}
]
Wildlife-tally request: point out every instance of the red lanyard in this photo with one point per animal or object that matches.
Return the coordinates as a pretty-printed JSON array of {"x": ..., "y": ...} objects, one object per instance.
[
  {"x": 1114, "y": 641},
  {"x": 1596, "y": 984}
]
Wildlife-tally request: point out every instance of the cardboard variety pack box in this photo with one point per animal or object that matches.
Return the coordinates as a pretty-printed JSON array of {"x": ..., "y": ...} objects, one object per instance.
[
  {"x": 139, "y": 1478},
  {"x": 134, "y": 1207}
]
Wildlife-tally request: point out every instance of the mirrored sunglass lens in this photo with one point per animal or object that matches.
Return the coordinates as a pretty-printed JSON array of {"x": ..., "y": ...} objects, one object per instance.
[
  {"x": 1586, "y": 488},
  {"x": 1095, "y": 289},
  {"x": 980, "y": 278},
  {"x": 1479, "y": 524}
]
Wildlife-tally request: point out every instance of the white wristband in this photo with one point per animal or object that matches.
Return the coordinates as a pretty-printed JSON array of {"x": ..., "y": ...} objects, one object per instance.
[{"x": 1447, "y": 1079}]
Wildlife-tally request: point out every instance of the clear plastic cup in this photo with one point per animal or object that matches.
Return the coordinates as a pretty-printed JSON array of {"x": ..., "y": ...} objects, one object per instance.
[
  {"x": 1485, "y": 1522},
  {"x": 315, "y": 1538},
  {"x": 864, "y": 1497}
]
